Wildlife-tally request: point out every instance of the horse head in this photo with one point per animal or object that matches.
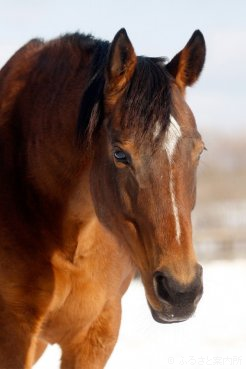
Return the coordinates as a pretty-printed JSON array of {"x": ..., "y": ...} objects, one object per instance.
[{"x": 144, "y": 170}]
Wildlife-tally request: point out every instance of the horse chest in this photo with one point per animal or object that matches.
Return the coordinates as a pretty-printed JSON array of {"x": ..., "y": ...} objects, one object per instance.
[{"x": 99, "y": 273}]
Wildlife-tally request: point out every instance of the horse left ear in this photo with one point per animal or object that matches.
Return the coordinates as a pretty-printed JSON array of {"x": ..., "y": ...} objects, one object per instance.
[
  {"x": 120, "y": 67},
  {"x": 187, "y": 65}
]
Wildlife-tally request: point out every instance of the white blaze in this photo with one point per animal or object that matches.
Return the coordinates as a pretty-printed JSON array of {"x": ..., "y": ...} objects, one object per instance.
[
  {"x": 171, "y": 139},
  {"x": 157, "y": 130}
]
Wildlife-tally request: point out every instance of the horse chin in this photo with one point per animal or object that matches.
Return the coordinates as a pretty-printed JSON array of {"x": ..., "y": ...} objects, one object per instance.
[{"x": 168, "y": 318}]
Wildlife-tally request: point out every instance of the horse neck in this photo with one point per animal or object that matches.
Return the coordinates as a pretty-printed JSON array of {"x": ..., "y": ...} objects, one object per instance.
[
  {"x": 59, "y": 176},
  {"x": 43, "y": 169},
  {"x": 45, "y": 186}
]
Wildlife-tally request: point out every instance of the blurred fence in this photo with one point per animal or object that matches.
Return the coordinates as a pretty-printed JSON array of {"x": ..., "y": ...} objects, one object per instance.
[
  {"x": 219, "y": 219},
  {"x": 220, "y": 227},
  {"x": 220, "y": 243}
]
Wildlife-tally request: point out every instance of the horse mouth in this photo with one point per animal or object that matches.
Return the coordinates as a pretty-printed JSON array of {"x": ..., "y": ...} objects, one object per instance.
[
  {"x": 166, "y": 319},
  {"x": 169, "y": 318}
]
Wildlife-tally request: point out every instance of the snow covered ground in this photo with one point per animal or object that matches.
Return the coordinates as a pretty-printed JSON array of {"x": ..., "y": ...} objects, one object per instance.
[{"x": 214, "y": 338}]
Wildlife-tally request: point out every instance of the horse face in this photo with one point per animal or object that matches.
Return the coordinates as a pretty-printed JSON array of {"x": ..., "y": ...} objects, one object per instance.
[{"x": 144, "y": 189}]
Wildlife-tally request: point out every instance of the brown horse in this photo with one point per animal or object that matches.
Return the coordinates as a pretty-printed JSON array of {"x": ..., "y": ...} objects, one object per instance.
[{"x": 98, "y": 158}]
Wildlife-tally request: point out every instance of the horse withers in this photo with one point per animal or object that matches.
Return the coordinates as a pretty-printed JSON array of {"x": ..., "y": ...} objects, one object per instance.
[{"x": 98, "y": 159}]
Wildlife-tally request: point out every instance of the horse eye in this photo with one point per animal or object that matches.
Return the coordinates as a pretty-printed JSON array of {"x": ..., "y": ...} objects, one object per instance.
[{"x": 121, "y": 157}]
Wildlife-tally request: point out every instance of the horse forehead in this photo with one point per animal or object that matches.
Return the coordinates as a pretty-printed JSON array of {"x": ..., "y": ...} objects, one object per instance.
[
  {"x": 170, "y": 137},
  {"x": 181, "y": 125}
]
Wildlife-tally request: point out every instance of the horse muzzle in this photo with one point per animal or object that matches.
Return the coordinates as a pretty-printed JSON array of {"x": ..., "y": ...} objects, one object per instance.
[{"x": 177, "y": 301}]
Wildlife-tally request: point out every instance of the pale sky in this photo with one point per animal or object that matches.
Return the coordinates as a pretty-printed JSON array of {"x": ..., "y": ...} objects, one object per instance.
[{"x": 156, "y": 28}]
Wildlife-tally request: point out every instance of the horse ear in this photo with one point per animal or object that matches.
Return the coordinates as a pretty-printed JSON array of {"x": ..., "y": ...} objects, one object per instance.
[
  {"x": 187, "y": 65},
  {"x": 120, "y": 67}
]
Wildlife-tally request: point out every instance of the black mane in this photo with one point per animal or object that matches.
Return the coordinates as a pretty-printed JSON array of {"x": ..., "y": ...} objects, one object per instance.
[
  {"x": 91, "y": 107},
  {"x": 148, "y": 97}
]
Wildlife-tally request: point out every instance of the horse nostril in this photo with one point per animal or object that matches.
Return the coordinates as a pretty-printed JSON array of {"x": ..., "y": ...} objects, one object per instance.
[
  {"x": 169, "y": 290},
  {"x": 161, "y": 286}
]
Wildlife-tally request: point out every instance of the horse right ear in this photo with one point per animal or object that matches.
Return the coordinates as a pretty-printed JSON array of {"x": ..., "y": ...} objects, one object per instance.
[
  {"x": 120, "y": 68},
  {"x": 187, "y": 65}
]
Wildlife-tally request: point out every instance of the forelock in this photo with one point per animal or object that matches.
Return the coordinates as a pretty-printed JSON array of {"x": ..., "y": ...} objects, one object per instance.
[{"x": 148, "y": 97}]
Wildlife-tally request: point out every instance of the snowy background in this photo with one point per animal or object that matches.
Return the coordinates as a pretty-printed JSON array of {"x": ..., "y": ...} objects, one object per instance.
[{"x": 215, "y": 337}]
